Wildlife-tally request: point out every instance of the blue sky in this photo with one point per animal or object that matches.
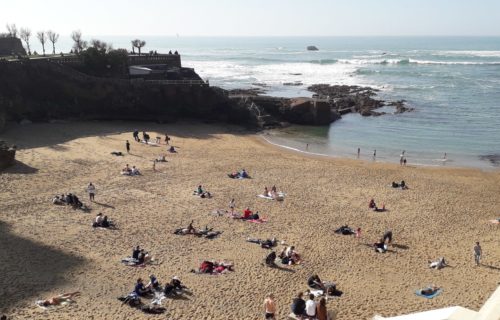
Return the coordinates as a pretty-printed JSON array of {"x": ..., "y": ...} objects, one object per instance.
[{"x": 257, "y": 17}]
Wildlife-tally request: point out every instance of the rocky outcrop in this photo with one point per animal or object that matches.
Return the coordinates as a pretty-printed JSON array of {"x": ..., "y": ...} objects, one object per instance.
[
  {"x": 7, "y": 155},
  {"x": 309, "y": 111},
  {"x": 11, "y": 46},
  {"x": 312, "y": 48}
]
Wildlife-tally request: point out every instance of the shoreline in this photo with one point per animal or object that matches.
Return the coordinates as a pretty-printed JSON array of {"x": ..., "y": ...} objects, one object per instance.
[{"x": 443, "y": 165}]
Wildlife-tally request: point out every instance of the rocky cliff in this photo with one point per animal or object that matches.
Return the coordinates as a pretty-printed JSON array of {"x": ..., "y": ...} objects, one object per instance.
[
  {"x": 42, "y": 91},
  {"x": 11, "y": 46},
  {"x": 7, "y": 155}
]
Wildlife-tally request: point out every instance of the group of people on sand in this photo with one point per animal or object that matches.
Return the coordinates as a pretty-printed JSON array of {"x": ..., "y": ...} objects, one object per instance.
[
  {"x": 140, "y": 257},
  {"x": 401, "y": 185},
  {"x": 206, "y": 232},
  {"x": 130, "y": 171},
  {"x": 102, "y": 221},
  {"x": 242, "y": 174},
  {"x": 69, "y": 199}
]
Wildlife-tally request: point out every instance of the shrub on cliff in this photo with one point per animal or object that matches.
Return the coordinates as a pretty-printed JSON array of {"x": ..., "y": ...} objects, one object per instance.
[{"x": 101, "y": 60}]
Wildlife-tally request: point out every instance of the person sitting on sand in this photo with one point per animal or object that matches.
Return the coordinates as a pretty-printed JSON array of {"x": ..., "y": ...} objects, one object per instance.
[
  {"x": 266, "y": 192},
  {"x": 190, "y": 228},
  {"x": 438, "y": 264},
  {"x": 270, "y": 258},
  {"x": 247, "y": 214},
  {"x": 57, "y": 300},
  {"x": 372, "y": 204},
  {"x": 143, "y": 257},
  {"x": 387, "y": 236},
  {"x": 202, "y": 193},
  {"x": 161, "y": 159},
  {"x": 380, "y": 246},
  {"x": 135, "y": 171},
  {"x": 321, "y": 312},
  {"x": 98, "y": 220},
  {"x": 299, "y": 306},
  {"x": 140, "y": 289},
  {"x": 174, "y": 286},
  {"x": 432, "y": 289},
  {"x": 403, "y": 185},
  {"x": 314, "y": 282},
  {"x": 243, "y": 174},
  {"x": 292, "y": 256},
  {"x": 172, "y": 149},
  {"x": 153, "y": 284},
  {"x": 135, "y": 253},
  {"x": 377, "y": 209},
  {"x": 126, "y": 170},
  {"x": 274, "y": 190}
]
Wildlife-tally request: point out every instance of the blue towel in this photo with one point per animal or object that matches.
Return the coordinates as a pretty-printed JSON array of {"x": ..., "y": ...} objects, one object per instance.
[{"x": 418, "y": 293}]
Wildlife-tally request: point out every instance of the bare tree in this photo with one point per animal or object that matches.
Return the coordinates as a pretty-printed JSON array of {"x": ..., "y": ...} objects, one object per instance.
[
  {"x": 79, "y": 44},
  {"x": 138, "y": 44},
  {"x": 53, "y": 37},
  {"x": 42, "y": 37},
  {"x": 26, "y": 35},
  {"x": 134, "y": 44},
  {"x": 12, "y": 30}
]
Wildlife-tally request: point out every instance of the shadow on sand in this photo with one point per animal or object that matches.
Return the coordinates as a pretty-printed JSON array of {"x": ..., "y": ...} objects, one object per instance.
[
  {"x": 28, "y": 268},
  {"x": 20, "y": 168},
  {"x": 54, "y": 134}
]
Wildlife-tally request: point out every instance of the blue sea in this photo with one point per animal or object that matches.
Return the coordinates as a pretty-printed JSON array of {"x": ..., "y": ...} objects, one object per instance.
[{"x": 452, "y": 82}]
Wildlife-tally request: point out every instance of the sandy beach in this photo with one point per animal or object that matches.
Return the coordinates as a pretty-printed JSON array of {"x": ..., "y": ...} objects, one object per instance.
[{"x": 48, "y": 249}]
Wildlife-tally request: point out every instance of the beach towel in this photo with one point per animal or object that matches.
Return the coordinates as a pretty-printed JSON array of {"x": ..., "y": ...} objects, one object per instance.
[
  {"x": 39, "y": 304},
  {"x": 265, "y": 197},
  {"x": 150, "y": 143},
  {"x": 435, "y": 294},
  {"x": 317, "y": 293}
]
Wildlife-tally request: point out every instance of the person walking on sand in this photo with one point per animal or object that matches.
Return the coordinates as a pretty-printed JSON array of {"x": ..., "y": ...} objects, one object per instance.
[
  {"x": 269, "y": 307},
  {"x": 91, "y": 191},
  {"x": 232, "y": 204},
  {"x": 477, "y": 253},
  {"x": 167, "y": 139},
  {"x": 127, "y": 145}
]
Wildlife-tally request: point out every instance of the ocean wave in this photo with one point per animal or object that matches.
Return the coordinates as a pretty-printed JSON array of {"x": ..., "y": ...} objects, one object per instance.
[
  {"x": 414, "y": 61},
  {"x": 324, "y": 61},
  {"x": 469, "y": 53}
]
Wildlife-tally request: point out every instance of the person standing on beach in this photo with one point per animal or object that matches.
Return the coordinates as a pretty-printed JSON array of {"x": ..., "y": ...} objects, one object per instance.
[
  {"x": 401, "y": 160},
  {"x": 127, "y": 145},
  {"x": 154, "y": 165},
  {"x": 167, "y": 139},
  {"x": 404, "y": 161},
  {"x": 232, "y": 204},
  {"x": 91, "y": 191},
  {"x": 359, "y": 152},
  {"x": 270, "y": 307},
  {"x": 307, "y": 146},
  {"x": 374, "y": 154},
  {"x": 136, "y": 135},
  {"x": 477, "y": 253}
]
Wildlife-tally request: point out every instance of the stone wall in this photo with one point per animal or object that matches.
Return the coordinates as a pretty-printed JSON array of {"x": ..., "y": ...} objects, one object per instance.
[{"x": 9, "y": 46}]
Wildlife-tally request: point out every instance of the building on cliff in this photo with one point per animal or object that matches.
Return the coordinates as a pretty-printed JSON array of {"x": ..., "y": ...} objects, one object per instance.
[{"x": 10, "y": 46}]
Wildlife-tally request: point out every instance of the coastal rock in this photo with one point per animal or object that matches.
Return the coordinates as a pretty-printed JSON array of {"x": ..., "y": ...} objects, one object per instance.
[
  {"x": 310, "y": 111},
  {"x": 312, "y": 48},
  {"x": 7, "y": 155}
]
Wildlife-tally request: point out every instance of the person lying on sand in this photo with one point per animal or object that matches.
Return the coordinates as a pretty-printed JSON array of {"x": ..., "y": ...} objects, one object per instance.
[
  {"x": 57, "y": 300},
  {"x": 58, "y": 200},
  {"x": 239, "y": 175},
  {"x": 345, "y": 230},
  {"x": 117, "y": 153},
  {"x": 377, "y": 209},
  {"x": 161, "y": 158},
  {"x": 266, "y": 244},
  {"x": 214, "y": 267},
  {"x": 429, "y": 290},
  {"x": 314, "y": 282},
  {"x": 249, "y": 215},
  {"x": 438, "y": 264},
  {"x": 134, "y": 301}
]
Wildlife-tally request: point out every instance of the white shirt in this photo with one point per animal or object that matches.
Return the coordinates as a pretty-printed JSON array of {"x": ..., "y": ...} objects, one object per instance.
[{"x": 311, "y": 308}]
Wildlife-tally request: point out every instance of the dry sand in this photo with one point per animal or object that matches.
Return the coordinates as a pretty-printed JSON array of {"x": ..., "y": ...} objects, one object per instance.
[{"x": 47, "y": 249}]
